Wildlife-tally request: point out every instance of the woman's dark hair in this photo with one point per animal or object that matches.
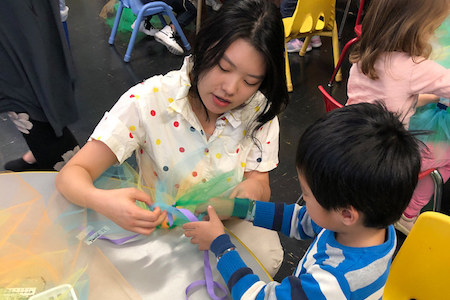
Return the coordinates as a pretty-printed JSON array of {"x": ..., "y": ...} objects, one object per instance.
[
  {"x": 361, "y": 156},
  {"x": 259, "y": 23}
]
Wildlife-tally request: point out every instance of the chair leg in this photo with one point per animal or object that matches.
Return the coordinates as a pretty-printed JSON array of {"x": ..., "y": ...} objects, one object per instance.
[
  {"x": 305, "y": 46},
  {"x": 341, "y": 59},
  {"x": 116, "y": 24},
  {"x": 178, "y": 28},
  {"x": 163, "y": 21},
  {"x": 335, "y": 42},
  {"x": 438, "y": 184},
  {"x": 288, "y": 71},
  {"x": 133, "y": 37}
]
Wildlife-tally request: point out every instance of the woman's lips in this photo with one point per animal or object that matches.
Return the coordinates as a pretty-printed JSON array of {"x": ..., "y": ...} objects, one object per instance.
[{"x": 220, "y": 101}]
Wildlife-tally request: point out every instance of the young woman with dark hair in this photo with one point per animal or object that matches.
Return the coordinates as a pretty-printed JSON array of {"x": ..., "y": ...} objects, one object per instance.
[{"x": 219, "y": 113}]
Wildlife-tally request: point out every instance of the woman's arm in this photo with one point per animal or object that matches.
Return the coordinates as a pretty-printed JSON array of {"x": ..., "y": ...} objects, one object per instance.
[
  {"x": 255, "y": 186},
  {"x": 75, "y": 182}
]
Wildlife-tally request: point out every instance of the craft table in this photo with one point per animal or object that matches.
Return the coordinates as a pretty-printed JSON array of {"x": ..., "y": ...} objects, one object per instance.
[{"x": 159, "y": 266}]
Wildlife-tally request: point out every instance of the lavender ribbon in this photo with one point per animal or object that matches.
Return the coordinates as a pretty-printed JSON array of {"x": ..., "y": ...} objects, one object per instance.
[{"x": 208, "y": 281}]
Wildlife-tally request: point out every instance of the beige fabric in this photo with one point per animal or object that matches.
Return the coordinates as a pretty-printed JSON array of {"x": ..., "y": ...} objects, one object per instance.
[{"x": 264, "y": 243}]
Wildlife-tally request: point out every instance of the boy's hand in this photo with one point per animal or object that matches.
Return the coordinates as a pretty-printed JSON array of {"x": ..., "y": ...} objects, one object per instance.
[{"x": 204, "y": 233}]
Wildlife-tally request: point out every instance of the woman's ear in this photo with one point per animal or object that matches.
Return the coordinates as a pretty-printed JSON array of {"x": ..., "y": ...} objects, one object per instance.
[{"x": 349, "y": 216}]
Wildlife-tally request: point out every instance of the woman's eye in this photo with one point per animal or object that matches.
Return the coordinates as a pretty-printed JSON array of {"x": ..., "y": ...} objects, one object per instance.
[
  {"x": 250, "y": 83},
  {"x": 222, "y": 68}
]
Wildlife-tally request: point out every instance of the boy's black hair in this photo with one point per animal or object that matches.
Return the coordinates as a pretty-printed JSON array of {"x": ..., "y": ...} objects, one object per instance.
[
  {"x": 259, "y": 23},
  {"x": 361, "y": 156}
]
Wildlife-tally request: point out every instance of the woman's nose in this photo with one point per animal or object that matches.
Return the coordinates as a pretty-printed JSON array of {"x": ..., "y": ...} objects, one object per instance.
[{"x": 231, "y": 85}]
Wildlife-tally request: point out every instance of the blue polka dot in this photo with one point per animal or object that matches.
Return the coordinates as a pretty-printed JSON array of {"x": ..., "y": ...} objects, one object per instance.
[
  {"x": 192, "y": 129},
  {"x": 166, "y": 168},
  {"x": 259, "y": 159}
]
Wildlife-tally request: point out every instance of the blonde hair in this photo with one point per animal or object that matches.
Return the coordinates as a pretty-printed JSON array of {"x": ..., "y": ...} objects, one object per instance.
[{"x": 397, "y": 25}]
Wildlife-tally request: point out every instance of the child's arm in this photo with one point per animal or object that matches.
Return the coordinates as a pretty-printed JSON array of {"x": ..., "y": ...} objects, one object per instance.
[
  {"x": 424, "y": 99},
  {"x": 239, "y": 278},
  {"x": 255, "y": 186},
  {"x": 75, "y": 182}
]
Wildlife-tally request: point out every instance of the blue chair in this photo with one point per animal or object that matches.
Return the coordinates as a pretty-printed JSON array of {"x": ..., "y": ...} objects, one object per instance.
[{"x": 141, "y": 11}]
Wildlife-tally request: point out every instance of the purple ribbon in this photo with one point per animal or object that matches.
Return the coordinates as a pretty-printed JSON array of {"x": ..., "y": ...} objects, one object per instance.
[{"x": 209, "y": 280}]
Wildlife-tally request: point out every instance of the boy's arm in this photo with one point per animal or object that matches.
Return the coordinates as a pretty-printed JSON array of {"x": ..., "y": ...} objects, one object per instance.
[{"x": 240, "y": 279}]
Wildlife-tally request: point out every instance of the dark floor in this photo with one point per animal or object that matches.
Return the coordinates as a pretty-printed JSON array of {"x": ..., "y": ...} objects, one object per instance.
[{"x": 102, "y": 76}]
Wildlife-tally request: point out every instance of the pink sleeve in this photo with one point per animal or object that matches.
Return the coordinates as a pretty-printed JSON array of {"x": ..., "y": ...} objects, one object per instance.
[{"x": 429, "y": 77}]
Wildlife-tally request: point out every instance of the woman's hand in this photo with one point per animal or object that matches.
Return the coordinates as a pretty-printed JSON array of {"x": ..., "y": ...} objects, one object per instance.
[
  {"x": 203, "y": 233},
  {"x": 255, "y": 187},
  {"x": 120, "y": 206}
]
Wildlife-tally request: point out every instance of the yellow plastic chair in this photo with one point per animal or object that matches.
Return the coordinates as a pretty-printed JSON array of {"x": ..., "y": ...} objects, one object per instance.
[
  {"x": 421, "y": 269},
  {"x": 311, "y": 17}
]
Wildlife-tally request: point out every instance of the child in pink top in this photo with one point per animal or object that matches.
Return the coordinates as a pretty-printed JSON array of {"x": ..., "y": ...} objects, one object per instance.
[{"x": 390, "y": 64}]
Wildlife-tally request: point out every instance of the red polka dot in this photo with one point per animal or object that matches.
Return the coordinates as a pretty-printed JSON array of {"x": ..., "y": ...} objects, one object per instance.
[
  {"x": 154, "y": 173},
  {"x": 132, "y": 96},
  {"x": 206, "y": 150},
  {"x": 237, "y": 150},
  {"x": 261, "y": 128},
  {"x": 177, "y": 186},
  {"x": 153, "y": 113},
  {"x": 142, "y": 151},
  {"x": 176, "y": 124},
  {"x": 194, "y": 174},
  {"x": 145, "y": 142},
  {"x": 268, "y": 142},
  {"x": 131, "y": 136},
  {"x": 223, "y": 118},
  {"x": 181, "y": 149}
]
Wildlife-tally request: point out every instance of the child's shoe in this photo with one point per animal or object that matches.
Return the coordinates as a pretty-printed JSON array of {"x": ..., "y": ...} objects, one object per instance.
[
  {"x": 316, "y": 42},
  {"x": 146, "y": 27},
  {"x": 296, "y": 45},
  {"x": 166, "y": 36},
  {"x": 405, "y": 224}
]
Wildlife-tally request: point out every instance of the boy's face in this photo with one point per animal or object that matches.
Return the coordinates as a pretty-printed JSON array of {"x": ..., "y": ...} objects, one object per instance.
[{"x": 322, "y": 217}]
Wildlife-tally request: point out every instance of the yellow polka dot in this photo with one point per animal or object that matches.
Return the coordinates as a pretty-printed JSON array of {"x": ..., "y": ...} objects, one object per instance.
[
  {"x": 155, "y": 89},
  {"x": 132, "y": 128},
  {"x": 257, "y": 108},
  {"x": 243, "y": 164},
  {"x": 244, "y": 132},
  {"x": 158, "y": 141},
  {"x": 98, "y": 139},
  {"x": 218, "y": 155},
  {"x": 228, "y": 179},
  {"x": 170, "y": 100},
  {"x": 137, "y": 96}
]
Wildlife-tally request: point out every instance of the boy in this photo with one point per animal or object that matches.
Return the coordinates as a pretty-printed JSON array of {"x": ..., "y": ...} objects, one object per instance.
[{"x": 357, "y": 168}]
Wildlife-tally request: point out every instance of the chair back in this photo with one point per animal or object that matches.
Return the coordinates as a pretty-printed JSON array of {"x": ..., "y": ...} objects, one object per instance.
[
  {"x": 312, "y": 15},
  {"x": 421, "y": 269},
  {"x": 329, "y": 101}
]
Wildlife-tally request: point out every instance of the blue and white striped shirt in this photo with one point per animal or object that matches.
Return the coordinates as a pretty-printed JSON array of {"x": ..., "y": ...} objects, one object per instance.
[{"x": 328, "y": 270}]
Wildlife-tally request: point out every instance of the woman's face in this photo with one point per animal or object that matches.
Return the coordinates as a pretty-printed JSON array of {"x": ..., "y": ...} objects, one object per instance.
[{"x": 236, "y": 77}]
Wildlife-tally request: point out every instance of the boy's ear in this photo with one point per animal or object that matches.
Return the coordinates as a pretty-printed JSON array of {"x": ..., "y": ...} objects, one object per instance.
[{"x": 349, "y": 215}]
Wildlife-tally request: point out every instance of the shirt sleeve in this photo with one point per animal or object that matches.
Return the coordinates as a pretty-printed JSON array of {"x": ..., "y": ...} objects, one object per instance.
[
  {"x": 120, "y": 128},
  {"x": 265, "y": 158},
  {"x": 429, "y": 77},
  {"x": 292, "y": 220}
]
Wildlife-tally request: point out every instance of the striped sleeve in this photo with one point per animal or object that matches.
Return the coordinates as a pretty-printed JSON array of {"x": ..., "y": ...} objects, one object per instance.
[
  {"x": 292, "y": 220},
  {"x": 245, "y": 285}
]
